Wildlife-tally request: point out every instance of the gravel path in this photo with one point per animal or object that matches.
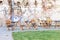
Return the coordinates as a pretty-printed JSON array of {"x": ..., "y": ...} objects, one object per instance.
[{"x": 4, "y": 34}]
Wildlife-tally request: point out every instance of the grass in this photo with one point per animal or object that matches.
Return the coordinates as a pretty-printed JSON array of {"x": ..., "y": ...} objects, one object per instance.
[{"x": 37, "y": 35}]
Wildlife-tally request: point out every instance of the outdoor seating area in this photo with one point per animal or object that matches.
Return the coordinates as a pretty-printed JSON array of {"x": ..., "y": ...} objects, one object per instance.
[
  {"x": 22, "y": 14},
  {"x": 48, "y": 23},
  {"x": 29, "y": 19}
]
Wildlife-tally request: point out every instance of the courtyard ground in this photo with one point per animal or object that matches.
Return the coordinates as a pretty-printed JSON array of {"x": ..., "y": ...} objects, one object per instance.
[{"x": 7, "y": 35}]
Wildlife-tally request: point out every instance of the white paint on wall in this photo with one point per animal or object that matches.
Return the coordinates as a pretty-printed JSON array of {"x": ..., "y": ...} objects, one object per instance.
[{"x": 55, "y": 15}]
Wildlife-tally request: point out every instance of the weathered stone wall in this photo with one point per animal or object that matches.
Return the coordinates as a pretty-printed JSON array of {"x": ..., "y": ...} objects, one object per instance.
[{"x": 39, "y": 11}]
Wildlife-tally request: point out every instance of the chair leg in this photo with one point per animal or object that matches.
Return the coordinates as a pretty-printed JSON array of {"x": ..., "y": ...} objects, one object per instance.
[
  {"x": 28, "y": 27},
  {"x": 13, "y": 28},
  {"x": 8, "y": 28},
  {"x": 21, "y": 27},
  {"x": 35, "y": 27}
]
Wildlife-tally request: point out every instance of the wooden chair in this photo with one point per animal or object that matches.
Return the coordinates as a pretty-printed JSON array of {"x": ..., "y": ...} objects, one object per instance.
[
  {"x": 33, "y": 23},
  {"x": 57, "y": 23},
  {"x": 48, "y": 21},
  {"x": 9, "y": 24},
  {"x": 43, "y": 23},
  {"x": 27, "y": 24}
]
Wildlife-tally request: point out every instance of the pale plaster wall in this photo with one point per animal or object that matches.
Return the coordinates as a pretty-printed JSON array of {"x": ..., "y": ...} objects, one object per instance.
[{"x": 55, "y": 13}]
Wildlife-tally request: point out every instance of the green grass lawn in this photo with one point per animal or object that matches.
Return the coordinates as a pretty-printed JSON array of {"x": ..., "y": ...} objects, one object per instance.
[{"x": 37, "y": 35}]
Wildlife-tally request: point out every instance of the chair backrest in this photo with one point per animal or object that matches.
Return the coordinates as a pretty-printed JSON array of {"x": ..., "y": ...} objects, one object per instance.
[
  {"x": 8, "y": 22},
  {"x": 48, "y": 20}
]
